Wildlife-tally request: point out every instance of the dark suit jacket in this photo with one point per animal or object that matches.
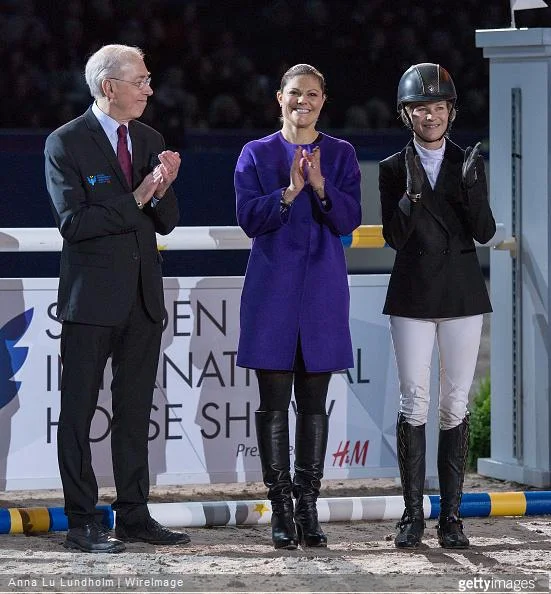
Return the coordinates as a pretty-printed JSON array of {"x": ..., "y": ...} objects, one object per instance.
[
  {"x": 108, "y": 243},
  {"x": 436, "y": 272}
]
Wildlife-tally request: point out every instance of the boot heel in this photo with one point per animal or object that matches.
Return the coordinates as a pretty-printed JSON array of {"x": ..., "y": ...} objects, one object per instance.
[
  {"x": 410, "y": 447},
  {"x": 453, "y": 446},
  {"x": 450, "y": 533},
  {"x": 288, "y": 542},
  {"x": 284, "y": 534},
  {"x": 313, "y": 537},
  {"x": 286, "y": 545},
  {"x": 410, "y": 532},
  {"x": 272, "y": 431},
  {"x": 310, "y": 447}
]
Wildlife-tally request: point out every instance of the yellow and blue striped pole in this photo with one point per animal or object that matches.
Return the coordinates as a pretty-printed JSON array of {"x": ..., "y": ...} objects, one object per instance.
[
  {"x": 365, "y": 236},
  {"x": 244, "y": 513},
  {"x": 31, "y": 520},
  {"x": 528, "y": 503}
]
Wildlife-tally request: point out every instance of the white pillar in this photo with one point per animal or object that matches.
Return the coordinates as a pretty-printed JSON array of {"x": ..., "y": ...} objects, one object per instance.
[{"x": 520, "y": 62}]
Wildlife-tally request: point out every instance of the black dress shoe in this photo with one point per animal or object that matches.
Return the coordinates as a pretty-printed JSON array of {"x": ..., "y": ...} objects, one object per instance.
[
  {"x": 92, "y": 538},
  {"x": 151, "y": 532}
]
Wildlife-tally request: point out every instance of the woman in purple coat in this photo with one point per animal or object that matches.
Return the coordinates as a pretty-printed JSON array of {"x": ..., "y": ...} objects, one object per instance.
[{"x": 297, "y": 191}]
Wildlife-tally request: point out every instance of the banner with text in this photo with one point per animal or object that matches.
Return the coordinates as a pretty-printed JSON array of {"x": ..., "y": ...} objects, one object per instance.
[{"x": 202, "y": 420}]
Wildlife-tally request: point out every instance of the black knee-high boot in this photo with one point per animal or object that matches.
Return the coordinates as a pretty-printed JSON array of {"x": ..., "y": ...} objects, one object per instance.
[
  {"x": 453, "y": 445},
  {"x": 411, "y": 461},
  {"x": 272, "y": 432},
  {"x": 310, "y": 447}
]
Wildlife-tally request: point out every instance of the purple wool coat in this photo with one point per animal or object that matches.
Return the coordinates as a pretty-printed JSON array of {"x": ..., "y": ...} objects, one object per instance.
[{"x": 296, "y": 280}]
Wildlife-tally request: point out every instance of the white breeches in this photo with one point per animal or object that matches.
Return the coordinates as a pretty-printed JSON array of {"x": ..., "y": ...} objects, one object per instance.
[{"x": 458, "y": 343}]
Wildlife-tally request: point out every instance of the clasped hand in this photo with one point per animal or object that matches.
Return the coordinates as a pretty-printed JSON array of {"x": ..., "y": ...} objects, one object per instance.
[
  {"x": 158, "y": 181},
  {"x": 305, "y": 167},
  {"x": 166, "y": 171}
]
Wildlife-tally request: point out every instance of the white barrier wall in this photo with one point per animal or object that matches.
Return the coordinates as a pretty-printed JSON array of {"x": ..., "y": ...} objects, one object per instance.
[
  {"x": 202, "y": 422},
  {"x": 520, "y": 193}
]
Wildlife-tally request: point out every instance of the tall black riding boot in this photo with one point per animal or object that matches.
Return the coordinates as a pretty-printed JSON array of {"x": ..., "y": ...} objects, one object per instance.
[
  {"x": 453, "y": 445},
  {"x": 310, "y": 446},
  {"x": 272, "y": 432},
  {"x": 411, "y": 461}
]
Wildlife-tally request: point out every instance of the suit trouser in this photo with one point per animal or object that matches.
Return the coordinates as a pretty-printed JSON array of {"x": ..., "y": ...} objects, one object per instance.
[
  {"x": 134, "y": 347},
  {"x": 458, "y": 343}
]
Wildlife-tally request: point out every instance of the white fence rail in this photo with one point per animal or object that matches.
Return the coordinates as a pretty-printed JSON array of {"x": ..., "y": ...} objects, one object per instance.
[{"x": 46, "y": 239}]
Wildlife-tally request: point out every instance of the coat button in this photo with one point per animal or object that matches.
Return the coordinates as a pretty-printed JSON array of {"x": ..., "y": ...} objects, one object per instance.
[
  {"x": 135, "y": 255},
  {"x": 420, "y": 252},
  {"x": 446, "y": 252}
]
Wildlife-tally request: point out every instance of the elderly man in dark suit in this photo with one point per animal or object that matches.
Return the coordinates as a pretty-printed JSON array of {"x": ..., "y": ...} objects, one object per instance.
[{"x": 109, "y": 178}]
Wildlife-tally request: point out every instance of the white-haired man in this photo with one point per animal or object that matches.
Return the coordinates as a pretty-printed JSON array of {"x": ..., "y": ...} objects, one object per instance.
[{"x": 109, "y": 178}]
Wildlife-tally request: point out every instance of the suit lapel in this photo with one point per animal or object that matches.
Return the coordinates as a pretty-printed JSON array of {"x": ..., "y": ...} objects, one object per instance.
[
  {"x": 429, "y": 200},
  {"x": 447, "y": 186},
  {"x": 450, "y": 172}
]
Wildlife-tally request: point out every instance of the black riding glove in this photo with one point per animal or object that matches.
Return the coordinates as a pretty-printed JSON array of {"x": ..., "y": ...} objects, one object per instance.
[
  {"x": 468, "y": 173},
  {"x": 414, "y": 170}
]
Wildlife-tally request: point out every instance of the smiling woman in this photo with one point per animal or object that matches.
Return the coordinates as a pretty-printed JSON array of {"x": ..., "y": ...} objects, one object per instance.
[
  {"x": 430, "y": 121},
  {"x": 434, "y": 203},
  {"x": 297, "y": 190},
  {"x": 301, "y": 99}
]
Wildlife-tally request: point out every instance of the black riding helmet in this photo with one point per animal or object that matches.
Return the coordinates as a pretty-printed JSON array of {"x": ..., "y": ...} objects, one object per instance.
[{"x": 425, "y": 82}]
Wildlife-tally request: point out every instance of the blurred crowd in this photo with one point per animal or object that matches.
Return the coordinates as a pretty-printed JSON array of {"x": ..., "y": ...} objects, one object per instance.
[{"x": 216, "y": 64}]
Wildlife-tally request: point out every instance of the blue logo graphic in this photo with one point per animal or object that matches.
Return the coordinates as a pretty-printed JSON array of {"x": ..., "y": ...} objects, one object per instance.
[
  {"x": 99, "y": 178},
  {"x": 12, "y": 357}
]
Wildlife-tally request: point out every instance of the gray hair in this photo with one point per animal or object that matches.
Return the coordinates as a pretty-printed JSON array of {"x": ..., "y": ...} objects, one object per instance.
[{"x": 108, "y": 61}]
